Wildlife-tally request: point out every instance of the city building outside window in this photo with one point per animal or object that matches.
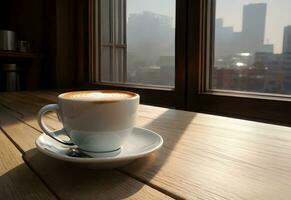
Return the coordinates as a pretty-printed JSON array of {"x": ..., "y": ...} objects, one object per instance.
[
  {"x": 137, "y": 42},
  {"x": 252, "y": 47},
  {"x": 216, "y": 56}
]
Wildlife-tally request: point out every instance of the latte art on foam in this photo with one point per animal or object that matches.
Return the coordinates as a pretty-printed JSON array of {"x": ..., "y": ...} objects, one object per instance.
[{"x": 98, "y": 96}]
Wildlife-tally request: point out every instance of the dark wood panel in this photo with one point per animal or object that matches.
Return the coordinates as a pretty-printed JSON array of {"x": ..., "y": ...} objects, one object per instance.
[
  {"x": 151, "y": 96},
  {"x": 180, "y": 54},
  {"x": 26, "y": 18},
  {"x": 19, "y": 55},
  {"x": 83, "y": 17},
  {"x": 48, "y": 71},
  {"x": 51, "y": 27},
  {"x": 66, "y": 43},
  {"x": 5, "y": 10},
  {"x": 263, "y": 110}
]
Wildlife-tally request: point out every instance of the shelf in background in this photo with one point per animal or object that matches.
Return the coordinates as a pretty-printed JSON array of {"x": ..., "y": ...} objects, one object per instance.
[{"x": 19, "y": 55}]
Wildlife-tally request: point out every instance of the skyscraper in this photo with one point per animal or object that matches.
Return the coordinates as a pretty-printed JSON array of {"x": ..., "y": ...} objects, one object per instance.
[
  {"x": 224, "y": 44},
  {"x": 287, "y": 40},
  {"x": 253, "y": 27}
]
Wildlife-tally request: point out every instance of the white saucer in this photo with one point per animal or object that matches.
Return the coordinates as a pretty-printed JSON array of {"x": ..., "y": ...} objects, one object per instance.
[{"x": 139, "y": 144}]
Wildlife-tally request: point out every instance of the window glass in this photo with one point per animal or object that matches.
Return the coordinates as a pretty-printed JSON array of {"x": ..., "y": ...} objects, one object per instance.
[
  {"x": 138, "y": 41},
  {"x": 151, "y": 41},
  {"x": 252, "y": 46}
]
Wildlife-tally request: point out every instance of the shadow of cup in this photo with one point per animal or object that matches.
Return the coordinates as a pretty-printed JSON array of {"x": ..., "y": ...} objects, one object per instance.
[{"x": 69, "y": 181}]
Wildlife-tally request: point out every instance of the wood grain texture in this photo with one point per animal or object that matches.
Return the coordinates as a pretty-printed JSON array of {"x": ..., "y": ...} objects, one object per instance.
[
  {"x": 205, "y": 156},
  {"x": 22, "y": 134},
  {"x": 211, "y": 157},
  {"x": 65, "y": 180},
  {"x": 24, "y": 107},
  {"x": 71, "y": 182},
  {"x": 20, "y": 55},
  {"x": 17, "y": 181}
]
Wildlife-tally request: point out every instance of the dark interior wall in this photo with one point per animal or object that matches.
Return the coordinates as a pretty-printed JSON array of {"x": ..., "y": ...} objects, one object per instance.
[
  {"x": 26, "y": 18},
  {"x": 61, "y": 43},
  {"x": 49, "y": 71},
  {"x": 66, "y": 43},
  {"x": 50, "y": 26},
  {"x": 4, "y": 12}
]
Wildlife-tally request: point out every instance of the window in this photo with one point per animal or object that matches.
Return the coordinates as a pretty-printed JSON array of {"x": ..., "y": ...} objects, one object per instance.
[
  {"x": 252, "y": 46},
  {"x": 224, "y": 39},
  {"x": 216, "y": 56},
  {"x": 137, "y": 42}
]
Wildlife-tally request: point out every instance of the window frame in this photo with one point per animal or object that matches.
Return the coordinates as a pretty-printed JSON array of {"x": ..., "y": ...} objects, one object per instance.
[
  {"x": 192, "y": 61},
  {"x": 113, "y": 44},
  {"x": 150, "y": 94},
  {"x": 247, "y": 105}
]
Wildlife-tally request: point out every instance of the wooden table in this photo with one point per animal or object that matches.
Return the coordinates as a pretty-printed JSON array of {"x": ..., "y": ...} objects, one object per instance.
[{"x": 203, "y": 157}]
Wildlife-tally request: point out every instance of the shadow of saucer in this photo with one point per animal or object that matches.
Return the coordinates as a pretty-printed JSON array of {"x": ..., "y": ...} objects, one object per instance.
[
  {"x": 70, "y": 181},
  {"x": 21, "y": 183}
]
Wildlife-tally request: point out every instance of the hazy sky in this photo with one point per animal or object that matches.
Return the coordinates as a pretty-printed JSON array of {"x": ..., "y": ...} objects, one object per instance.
[
  {"x": 278, "y": 14},
  {"x": 163, "y": 7}
]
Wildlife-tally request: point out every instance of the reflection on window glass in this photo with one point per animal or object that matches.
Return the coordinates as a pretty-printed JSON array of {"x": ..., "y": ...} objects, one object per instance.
[
  {"x": 137, "y": 41},
  {"x": 253, "y": 46}
]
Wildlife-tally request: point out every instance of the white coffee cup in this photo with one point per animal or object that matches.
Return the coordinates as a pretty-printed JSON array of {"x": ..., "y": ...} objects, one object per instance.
[{"x": 96, "y": 121}]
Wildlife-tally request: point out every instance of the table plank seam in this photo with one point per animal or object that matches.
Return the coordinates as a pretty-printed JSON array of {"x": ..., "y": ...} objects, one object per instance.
[
  {"x": 154, "y": 186},
  {"x": 27, "y": 164},
  {"x": 20, "y": 119},
  {"x": 11, "y": 109},
  {"x": 167, "y": 193},
  {"x": 12, "y": 141},
  {"x": 22, "y": 152},
  {"x": 24, "y": 122},
  {"x": 204, "y": 156},
  {"x": 127, "y": 174},
  {"x": 41, "y": 179}
]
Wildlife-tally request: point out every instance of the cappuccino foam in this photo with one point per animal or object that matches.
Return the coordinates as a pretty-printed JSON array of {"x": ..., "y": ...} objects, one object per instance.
[{"x": 98, "y": 96}]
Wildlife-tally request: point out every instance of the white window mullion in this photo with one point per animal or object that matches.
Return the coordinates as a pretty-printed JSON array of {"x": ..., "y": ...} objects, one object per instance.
[{"x": 113, "y": 46}]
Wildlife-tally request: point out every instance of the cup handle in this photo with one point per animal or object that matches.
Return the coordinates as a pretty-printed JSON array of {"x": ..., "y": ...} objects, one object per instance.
[{"x": 46, "y": 130}]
